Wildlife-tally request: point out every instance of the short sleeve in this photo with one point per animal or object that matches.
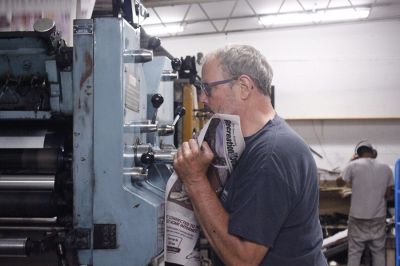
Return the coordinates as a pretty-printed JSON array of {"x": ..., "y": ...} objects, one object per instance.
[
  {"x": 260, "y": 205},
  {"x": 346, "y": 173}
]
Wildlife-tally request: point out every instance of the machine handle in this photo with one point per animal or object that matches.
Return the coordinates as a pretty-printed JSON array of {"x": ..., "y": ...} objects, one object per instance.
[
  {"x": 179, "y": 112},
  {"x": 165, "y": 130},
  {"x": 176, "y": 64},
  {"x": 137, "y": 56},
  {"x": 156, "y": 100},
  {"x": 147, "y": 158}
]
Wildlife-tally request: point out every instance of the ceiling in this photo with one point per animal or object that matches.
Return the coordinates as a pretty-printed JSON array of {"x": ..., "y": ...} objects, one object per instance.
[
  {"x": 223, "y": 16},
  {"x": 193, "y": 17}
]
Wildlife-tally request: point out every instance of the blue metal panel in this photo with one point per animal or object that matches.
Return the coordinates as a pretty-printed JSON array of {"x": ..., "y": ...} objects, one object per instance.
[
  {"x": 83, "y": 176},
  {"x": 153, "y": 75},
  {"x": 109, "y": 93},
  {"x": 135, "y": 208}
]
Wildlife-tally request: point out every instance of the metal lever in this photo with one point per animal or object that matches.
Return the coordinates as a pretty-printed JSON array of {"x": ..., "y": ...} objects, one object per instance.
[
  {"x": 156, "y": 100},
  {"x": 179, "y": 112},
  {"x": 150, "y": 126},
  {"x": 165, "y": 130}
]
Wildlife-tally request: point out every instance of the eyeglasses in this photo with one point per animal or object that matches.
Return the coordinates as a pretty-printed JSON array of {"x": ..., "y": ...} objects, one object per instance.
[{"x": 206, "y": 87}]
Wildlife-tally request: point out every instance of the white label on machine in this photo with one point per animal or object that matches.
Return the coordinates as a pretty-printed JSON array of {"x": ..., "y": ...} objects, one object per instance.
[{"x": 132, "y": 93}]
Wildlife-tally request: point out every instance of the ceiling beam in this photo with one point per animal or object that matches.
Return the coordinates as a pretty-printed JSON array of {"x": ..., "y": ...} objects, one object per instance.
[
  {"x": 157, "y": 3},
  {"x": 282, "y": 27},
  {"x": 208, "y": 19}
]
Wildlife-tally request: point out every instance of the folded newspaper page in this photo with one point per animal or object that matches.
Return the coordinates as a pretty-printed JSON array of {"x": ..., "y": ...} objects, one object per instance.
[{"x": 224, "y": 136}]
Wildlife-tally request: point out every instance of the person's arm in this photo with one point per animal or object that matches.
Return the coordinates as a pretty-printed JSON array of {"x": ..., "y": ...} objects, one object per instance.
[
  {"x": 191, "y": 163},
  {"x": 389, "y": 194},
  {"x": 345, "y": 177}
]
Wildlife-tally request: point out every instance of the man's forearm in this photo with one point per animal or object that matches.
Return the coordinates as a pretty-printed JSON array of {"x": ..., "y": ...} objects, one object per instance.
[{"x": 214, "y": 219}]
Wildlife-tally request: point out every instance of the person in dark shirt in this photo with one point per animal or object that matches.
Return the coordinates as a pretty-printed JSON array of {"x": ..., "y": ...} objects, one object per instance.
[{"x": 267, "y": 213}]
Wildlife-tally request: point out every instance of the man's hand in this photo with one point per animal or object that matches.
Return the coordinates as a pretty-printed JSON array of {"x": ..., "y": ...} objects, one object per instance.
[
  {"x": 191, "y": 162},
  {"x": 340, "y": 182}
]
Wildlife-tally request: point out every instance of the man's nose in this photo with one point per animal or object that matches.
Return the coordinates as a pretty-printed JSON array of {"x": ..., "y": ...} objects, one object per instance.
[{"x": 203, "y": 97}]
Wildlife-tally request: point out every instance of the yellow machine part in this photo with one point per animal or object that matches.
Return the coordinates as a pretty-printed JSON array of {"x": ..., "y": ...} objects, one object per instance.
[{"x": 192, "y": 122}]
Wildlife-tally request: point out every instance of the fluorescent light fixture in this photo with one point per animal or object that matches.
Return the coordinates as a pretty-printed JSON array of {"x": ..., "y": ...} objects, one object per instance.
[
  {"x": 342, "y": 14},
  {"x": 286, "y": 19},
  {"x": 307, "y": 17},
  {"x": 163, "y": 30}
]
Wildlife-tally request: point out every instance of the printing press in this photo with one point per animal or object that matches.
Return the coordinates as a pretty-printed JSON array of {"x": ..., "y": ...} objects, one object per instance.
[{"x": 86, "y": 144}]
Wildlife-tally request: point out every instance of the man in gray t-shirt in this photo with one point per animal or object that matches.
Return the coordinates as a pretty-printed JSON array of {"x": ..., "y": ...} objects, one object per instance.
[{"x": 370, "y": 181}]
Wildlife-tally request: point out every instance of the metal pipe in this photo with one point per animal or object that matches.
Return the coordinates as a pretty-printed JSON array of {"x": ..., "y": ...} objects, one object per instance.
[
  {"x": 21, "y": 220},
  {"x": 27, "y": 182},
  {"x": 164, "y": 156},
  {"x": 140, "y": 127},
  {"x": 136, "y": 173},
  {"x": 161, "y": 156},
  {"x": 13, "y": 247},
  {"x": 137, "y": 56},
  {"x": 33, "y": 228}
]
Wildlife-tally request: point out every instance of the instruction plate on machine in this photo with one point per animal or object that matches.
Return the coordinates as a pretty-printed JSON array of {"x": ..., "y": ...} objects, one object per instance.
[{"x": 132, "y": 92}]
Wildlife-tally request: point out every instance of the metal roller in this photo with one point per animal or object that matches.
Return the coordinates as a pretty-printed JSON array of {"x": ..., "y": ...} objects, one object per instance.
[
  {"x": 164, "y": 156},
  {"x": 27, "y": 182},
  {"x": 29, "y": 204},
  {"x": 33, "y": 160},
  {"x": 19, "y": 220},
  {"x": 14, "y": 247},
  {"x": 161, "y": 156}
]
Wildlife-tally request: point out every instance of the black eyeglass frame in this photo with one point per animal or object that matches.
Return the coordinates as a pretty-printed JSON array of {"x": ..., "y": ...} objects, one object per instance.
[{"x": 206, "y": 87}]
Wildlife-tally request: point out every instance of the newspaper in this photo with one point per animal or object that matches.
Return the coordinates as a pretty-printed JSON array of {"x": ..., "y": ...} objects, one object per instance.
[{"x": 224, "y": 136}]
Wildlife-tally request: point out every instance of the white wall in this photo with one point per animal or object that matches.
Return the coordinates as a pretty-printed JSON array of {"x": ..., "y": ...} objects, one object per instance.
[
  {"x": 343, "y": 72},
  {"x": 335, "y": 140},
  {"x": 322, "y": 71}
]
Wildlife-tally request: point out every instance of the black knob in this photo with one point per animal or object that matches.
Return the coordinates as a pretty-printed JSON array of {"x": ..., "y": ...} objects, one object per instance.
[
  {"x": 157, "y": 100},
  {"x": 176, "y": 64},
  {"x": 147, "y": 158},
  {"x": 153, "y": 43},
  {"x": 180, "y": 111}
]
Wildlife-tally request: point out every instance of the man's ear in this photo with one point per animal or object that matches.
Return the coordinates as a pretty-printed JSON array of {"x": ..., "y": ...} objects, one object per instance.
[{"x": 246, "y": 86}]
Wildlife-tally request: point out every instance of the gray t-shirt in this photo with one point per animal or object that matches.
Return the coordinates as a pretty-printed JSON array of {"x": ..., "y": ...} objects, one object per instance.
[
  {"x": 369, "y": 180},
  {"x": 272, "y": 197}
]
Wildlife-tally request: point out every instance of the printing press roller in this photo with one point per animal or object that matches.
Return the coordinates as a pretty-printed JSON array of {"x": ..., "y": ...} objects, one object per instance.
[
  {"x": 30, "y": 204},
  {"x": 15, "y": 247},
  {"x": 27, "y": 182},
  {"x": 47, "y": 160}
]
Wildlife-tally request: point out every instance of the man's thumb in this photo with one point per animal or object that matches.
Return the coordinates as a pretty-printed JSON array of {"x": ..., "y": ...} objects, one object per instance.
[{"x": 207, "y": 150}]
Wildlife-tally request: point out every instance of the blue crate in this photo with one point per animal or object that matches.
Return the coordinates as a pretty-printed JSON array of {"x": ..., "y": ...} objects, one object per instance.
[{"x": 397, "y": 212}]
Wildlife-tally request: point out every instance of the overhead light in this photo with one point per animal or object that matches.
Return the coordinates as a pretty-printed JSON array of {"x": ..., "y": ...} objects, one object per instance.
[
  {"x": 307, "y": 17},
  {"x": 158, "y": 30},
  {"x": 342, "y": 14},
  {"x": 286, "y": 19}
]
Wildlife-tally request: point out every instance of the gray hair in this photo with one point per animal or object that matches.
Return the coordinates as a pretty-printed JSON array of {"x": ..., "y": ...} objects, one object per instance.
[{"x": 237, "y": 60}]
